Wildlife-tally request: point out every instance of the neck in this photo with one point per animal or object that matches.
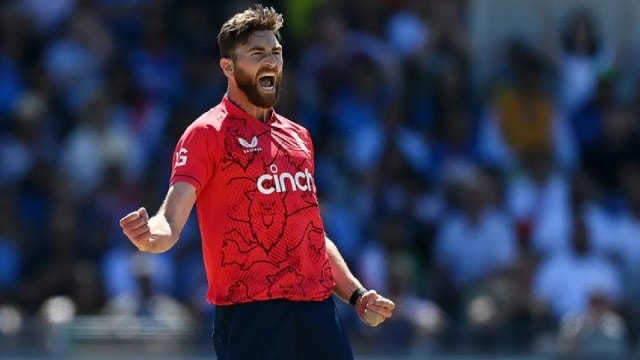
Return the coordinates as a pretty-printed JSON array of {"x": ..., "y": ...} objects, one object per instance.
[{"x": 240, "y": 99}]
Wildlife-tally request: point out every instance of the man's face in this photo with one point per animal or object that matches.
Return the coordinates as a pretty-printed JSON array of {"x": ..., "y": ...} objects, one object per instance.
[{"x": 258, "y": 68}]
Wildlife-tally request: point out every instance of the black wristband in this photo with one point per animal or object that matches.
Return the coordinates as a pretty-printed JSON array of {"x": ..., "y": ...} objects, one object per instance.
[{"x": 356, "y": 295}]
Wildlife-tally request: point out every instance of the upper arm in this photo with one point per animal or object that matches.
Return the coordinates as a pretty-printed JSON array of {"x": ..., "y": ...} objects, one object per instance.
[
  {"x": 194, "y": 160},
  {"x": 178, "y": 204}
]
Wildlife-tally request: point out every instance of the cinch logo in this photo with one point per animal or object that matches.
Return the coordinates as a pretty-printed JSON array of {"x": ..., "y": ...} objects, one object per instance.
[{"x": 268, "y": 183}]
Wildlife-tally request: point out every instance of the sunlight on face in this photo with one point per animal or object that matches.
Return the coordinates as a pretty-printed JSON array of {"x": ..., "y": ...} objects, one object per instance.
[{"x": 258, "y": 69}]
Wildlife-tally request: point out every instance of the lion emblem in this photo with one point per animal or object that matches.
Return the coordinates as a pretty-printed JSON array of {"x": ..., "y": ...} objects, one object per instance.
[
  {"x": 267, "y": 218},
  {"x": 286, "y": 280}
]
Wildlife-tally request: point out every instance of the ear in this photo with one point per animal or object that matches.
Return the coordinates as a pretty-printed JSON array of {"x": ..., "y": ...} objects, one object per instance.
[{"x": 226, "y": 65}]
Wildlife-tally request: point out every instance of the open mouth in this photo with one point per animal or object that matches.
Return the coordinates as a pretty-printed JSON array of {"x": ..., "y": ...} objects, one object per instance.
[{"x": 267, "y": 82}]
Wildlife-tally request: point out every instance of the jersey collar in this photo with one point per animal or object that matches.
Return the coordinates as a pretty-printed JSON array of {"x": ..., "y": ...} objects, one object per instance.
[{"x": 235, "y": 110}]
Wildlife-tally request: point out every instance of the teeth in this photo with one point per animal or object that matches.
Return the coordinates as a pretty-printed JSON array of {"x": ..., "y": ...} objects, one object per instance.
[{"x": 273, "y": 79}]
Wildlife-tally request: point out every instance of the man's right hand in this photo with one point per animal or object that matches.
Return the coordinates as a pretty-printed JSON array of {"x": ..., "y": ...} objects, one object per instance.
[{"x": 136, "y": 227}]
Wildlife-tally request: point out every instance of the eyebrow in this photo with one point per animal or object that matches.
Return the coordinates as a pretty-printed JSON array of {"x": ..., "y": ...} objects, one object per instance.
[{"x": 264, "y": 48}]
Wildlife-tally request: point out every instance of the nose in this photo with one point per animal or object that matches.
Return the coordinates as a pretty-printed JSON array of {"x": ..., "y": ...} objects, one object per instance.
[{"x": 270, "y": 61}]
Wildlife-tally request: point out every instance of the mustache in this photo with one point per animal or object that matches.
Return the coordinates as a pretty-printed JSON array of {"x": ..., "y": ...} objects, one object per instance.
[{"x": 261, "y": 72}]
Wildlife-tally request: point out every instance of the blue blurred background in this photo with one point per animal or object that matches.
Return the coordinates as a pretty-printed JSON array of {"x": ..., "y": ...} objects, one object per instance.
[{"x": 477, "y": 161}]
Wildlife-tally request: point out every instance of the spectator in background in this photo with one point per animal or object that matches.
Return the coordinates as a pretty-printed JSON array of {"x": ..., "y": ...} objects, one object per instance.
[
  {"x": 357, "y": 115},
  {"x": 202, "y": 82},
  {"x": 77, "y": 62},
  {"x": 29, "y": 155},
  {"x": 194, "y": 28},
  {"x": 326, "y": 70},
  {"x": 407, "y": 28},
  {"x": 450, "y": 95},
  {"x": 390, "y": 240},
  {"x": 473, "y": 245},
  {"x": 566, "y": 281},
  {"x": 321, "y": 68},
  {"x": 626, "y": 236},
  {"x": 119, "y": 274},
  {"x": 587, "y": 121},
  {"x": 538, "y": 199},
  {"x": 145, "y": 299},
  {"x": 53, "y": 275},
  {"x": 596, "y": 333},
  {"x": 616, "y": 146},
  {"x": 588, "y": 201},
  {"x": 583, "y": 58},
  {"x": 120, "y": 263},
  {"x": 95, "y": 142},
  {"x": 477, "y": 241},
  {"x": 343, "y": 222},
  {"x": 523, "y": 118},
  {"x": 437, "y": 77},
  {"x": 391, "y": 189},
  {"x": 124, "y": 18},
  {"x": 156, "y": 64},
  {"x": 30, "y": 142},
  {"x": 144, "y": 116},
  {"x": 454, "y": 155},
  {"x": 420, "y": 321}
]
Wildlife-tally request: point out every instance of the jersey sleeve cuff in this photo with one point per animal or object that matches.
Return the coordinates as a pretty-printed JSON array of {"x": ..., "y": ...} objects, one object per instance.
[{"x": 188, "y": 179}]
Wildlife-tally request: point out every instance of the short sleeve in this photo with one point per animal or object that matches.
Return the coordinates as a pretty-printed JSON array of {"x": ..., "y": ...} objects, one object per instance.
[{"x": 193, "y": 159}]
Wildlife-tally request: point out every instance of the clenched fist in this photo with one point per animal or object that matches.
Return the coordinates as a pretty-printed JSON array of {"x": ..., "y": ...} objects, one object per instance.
[
  {"x": 373, "y": 308},
  {"x": 136, "y": 227}
]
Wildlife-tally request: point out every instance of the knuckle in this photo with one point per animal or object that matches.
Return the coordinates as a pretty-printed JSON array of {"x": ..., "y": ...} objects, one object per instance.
[{"x": 142, "y": 236}]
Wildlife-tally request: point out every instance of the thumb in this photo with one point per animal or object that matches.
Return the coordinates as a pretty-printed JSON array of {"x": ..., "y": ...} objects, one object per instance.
[{"x": 143, "y": 213}]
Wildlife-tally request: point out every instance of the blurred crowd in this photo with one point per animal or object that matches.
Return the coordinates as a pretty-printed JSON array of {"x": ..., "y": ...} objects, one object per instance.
[{"x": 499, "y": 217}]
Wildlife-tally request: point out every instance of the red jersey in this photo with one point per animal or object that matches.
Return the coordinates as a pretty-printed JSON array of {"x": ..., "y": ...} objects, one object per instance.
[{"x": 262, "y": 234}]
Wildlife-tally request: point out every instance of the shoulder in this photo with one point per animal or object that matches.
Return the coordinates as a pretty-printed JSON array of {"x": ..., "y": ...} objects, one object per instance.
[
  {"x": 211, "y": 120},
  {"x": 291, "y": 125}
]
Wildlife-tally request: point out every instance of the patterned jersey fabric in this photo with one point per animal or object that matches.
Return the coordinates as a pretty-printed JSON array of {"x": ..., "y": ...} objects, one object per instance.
[{"x": 262, "y": 234}]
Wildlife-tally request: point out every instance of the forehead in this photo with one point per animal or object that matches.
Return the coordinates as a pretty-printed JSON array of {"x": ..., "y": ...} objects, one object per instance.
[{"x": 261, "y": 38}]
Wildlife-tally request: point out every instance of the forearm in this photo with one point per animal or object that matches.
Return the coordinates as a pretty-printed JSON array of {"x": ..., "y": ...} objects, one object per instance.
[
  {"x": 346, "y": 282},
  {"x": 162, "y": 236},
  {"x": 167, "y": 224}
]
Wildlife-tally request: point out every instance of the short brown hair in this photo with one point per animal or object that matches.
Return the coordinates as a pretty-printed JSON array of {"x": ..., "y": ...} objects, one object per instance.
[{"x": 237, "y": 29}]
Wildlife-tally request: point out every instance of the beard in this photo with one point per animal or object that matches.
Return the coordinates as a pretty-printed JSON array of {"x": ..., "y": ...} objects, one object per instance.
[{"x": 249, "y": 86}]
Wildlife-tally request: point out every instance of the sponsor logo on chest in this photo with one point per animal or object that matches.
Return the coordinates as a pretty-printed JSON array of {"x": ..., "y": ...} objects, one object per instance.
[
  {"x": 284, "y": 181},
  {"x": 249, "y": 146}
]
